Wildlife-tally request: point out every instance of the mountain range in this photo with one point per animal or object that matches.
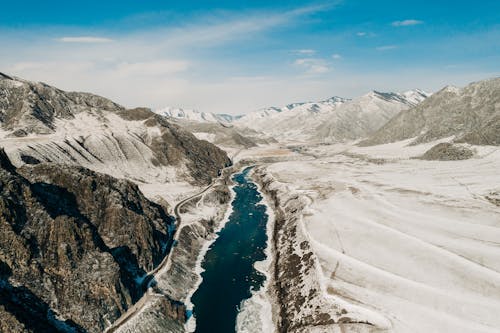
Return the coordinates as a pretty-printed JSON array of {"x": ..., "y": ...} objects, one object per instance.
[
  {"x": 330, "y": 120},
  {"x": 77, "y": 236}
]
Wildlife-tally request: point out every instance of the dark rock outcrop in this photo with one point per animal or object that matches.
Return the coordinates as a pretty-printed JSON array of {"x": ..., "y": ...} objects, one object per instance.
[
  {"x": 447, "y": 152},
  {"x": 73, "y": 244}
]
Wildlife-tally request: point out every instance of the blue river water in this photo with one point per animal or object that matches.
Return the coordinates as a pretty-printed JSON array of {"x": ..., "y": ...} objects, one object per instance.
[{"x": 229, "y": 275}]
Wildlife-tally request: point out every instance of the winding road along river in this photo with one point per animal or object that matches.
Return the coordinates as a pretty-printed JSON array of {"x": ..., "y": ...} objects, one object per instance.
[{"x": 229, "y": 274}]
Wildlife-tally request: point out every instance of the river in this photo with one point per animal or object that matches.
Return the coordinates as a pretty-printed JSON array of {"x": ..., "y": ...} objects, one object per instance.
[{"x": 230, "y": 277}]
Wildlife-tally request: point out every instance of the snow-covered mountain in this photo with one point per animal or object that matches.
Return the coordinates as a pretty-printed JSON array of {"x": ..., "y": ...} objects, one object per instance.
[
  {"x": 194, "y": 115},
  {"x": 364, "y": 115},
  {"x": 334, "y": 119},
  {"x": 40, "y": 123},
  {"x": 258, "y": 119},
  {"x": 470, "y": 114}
]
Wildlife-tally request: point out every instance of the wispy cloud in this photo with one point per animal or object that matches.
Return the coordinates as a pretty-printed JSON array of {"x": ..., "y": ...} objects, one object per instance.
[
  {"x": 305, "y": 51},
  {"x": 336, "y": 56},
  {"x": 313, "y": 66},
  {"x": 405, "y": 23},
  {"x": 84, "y": 39},
  {"x": 152, "y": 68},
  {"x": 168, "y": 63},
  {"x": 363, "y": 34},
  {"x": 386, "y": 47}
]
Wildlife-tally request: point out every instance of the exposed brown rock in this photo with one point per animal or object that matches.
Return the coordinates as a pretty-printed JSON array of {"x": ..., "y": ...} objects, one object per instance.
[
  {"x": 72, "y": 243},
  {"x": 446, "y": 151}
]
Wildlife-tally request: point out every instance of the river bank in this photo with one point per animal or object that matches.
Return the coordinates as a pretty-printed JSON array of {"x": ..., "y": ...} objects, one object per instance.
[{"x": 201, "y": 218}]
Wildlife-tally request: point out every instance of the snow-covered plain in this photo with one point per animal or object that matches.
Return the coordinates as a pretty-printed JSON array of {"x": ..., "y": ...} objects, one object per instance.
[{"x": 410, "y": 245}]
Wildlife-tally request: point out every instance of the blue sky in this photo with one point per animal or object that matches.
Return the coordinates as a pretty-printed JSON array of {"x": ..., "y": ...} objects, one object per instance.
[{"x": 234, "y": 57}]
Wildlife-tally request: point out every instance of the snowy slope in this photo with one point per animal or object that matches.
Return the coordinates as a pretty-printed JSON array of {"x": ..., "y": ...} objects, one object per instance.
[
  {"x": 470, "y": 114},
  {"x": 40, "y": 123},
  {"x": 295, "y": 121},
  {"x": 364, "y": 115},
  {"x": 194, "y": 115},
  {"x": 403, "y": 244},
  {"x": 333, "y": 119}
]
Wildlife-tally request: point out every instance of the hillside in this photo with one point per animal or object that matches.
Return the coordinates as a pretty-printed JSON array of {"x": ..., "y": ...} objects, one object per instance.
[
  {"x": 40, "y": 123},
  {"x": 470, "y": 114}
]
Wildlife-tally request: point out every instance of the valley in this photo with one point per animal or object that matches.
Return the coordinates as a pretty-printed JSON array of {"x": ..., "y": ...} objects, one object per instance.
[
  {"x": 389, "y": 240},
  {"x": 374, "y": 214},
  {"x": 280, "y": 166}
]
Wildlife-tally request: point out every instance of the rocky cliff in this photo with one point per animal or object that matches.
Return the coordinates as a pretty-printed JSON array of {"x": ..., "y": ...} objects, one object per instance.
[{"x": 74, "y": 245}]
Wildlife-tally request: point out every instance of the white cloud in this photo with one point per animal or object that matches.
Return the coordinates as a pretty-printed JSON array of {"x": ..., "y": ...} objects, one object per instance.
[
  {"x": 84, "y": 39},
  {"x": 184, "y": 66},
  {"x": 152, "y": 68},
  {"x": 305, "y": 51},
  {"x": 312, "y": 66},
  {"x": 386, "y": 47},
  {"x": 336, "y": 56},
  {"x": 159, "y": 66},
  {"x": 405, "y": 23}
]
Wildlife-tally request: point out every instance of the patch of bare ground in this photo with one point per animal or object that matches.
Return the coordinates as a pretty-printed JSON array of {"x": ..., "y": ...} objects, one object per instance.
[{"x": 494, "y": 198}]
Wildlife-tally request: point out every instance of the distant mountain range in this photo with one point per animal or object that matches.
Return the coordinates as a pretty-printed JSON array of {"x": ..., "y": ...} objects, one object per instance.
[
  {"x": 470, "y": 114},
  {"x": 195, "y": 115},
  {"x": 333, "y": 119}
]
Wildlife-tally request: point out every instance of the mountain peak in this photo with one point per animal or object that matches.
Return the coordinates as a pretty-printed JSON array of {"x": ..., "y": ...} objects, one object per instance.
[
  {"x": 336, "y": 99},
  {"x": 5, "y": 77},
  {"x": 451, "y": 89}
]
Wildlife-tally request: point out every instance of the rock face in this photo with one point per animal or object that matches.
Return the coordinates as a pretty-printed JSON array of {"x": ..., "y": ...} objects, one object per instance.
[
  {"x": 447, "y": 152},
  {"x": 470, "y": 114},
  {"x": 73, "y": 244},
  {"x": 177, "y": 282},
  {"x": 44, "y": 124}
]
